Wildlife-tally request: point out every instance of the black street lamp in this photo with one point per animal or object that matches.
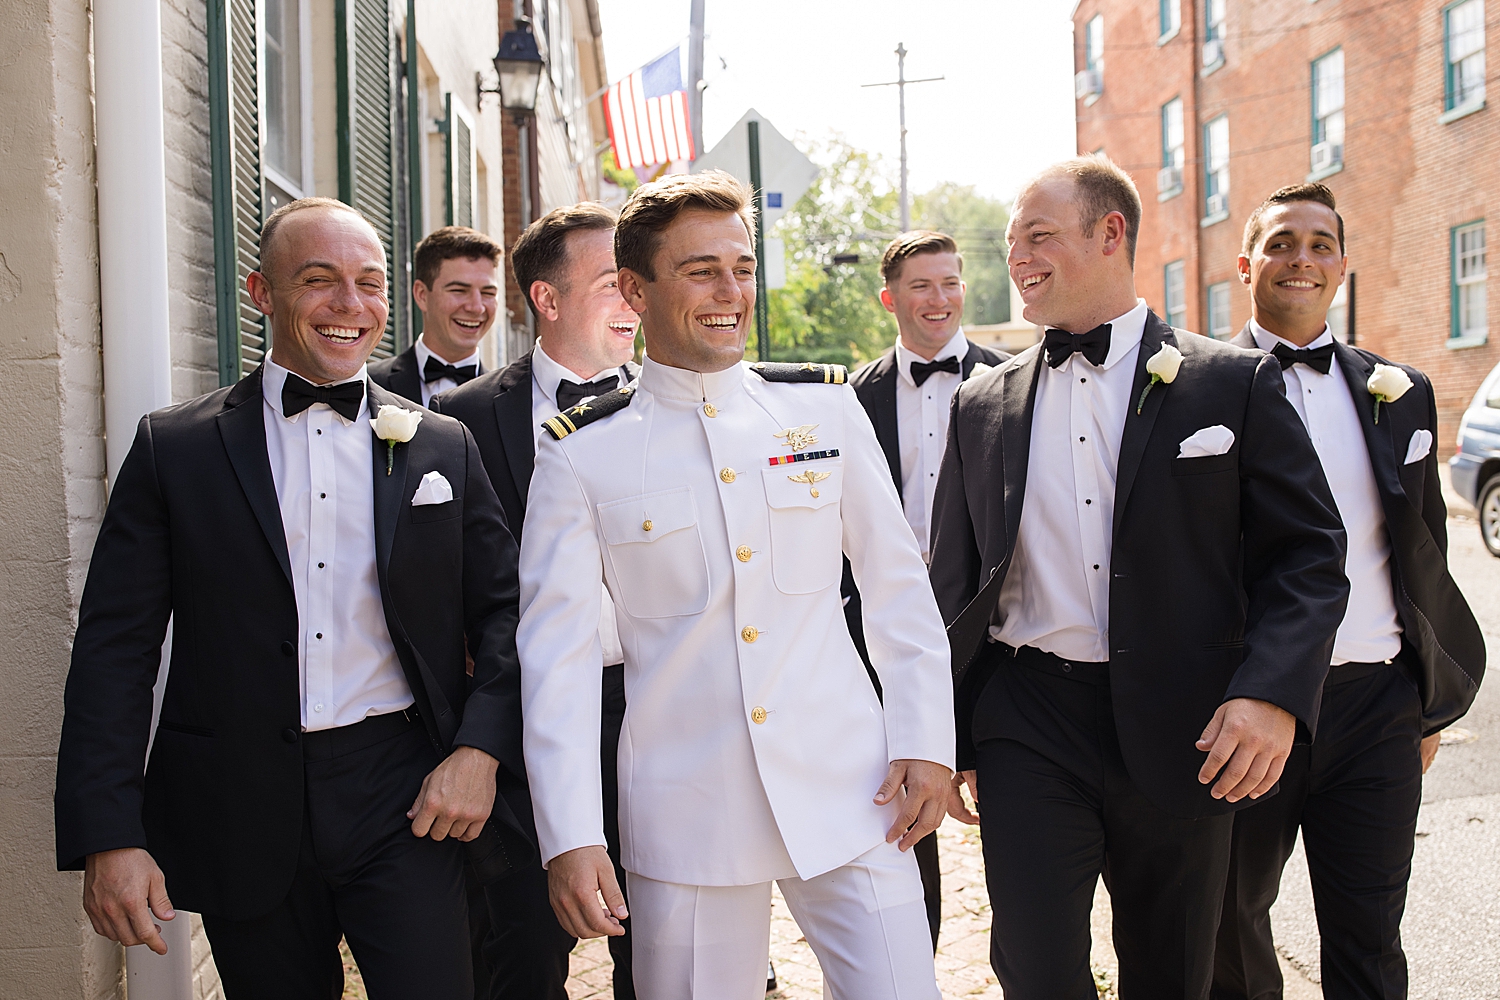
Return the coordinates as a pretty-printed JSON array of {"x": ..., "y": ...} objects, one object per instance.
[{"x": 519, "y": 64}]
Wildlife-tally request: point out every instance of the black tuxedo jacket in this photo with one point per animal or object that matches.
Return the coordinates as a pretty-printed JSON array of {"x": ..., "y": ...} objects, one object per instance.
[
  {"x": 1437, "y": 622},
  {"x": 875, "y": 385},
  {"x": 400, "y": 374},
  {"x": 496, "y": 407},
  {"x": 193, "y": 532},
  {"x": 1227, "y": 571}
]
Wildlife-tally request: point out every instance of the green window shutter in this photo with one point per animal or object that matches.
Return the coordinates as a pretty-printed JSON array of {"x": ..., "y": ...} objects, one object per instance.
[
  {"x": 367, "y": 67},
  {"x": 458, "y": 186},
  {"x": 234, "y": 138}
]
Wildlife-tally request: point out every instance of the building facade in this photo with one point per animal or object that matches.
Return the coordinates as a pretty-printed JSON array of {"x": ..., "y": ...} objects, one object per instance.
[{"x": 1213, "y": 104}]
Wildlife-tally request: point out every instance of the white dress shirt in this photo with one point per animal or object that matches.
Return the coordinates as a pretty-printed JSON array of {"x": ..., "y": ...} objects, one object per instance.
[
  {"x": 1056, "y": 592},
  {"x": 922, "y": 431},
  {"x": 546, "y": 374},
  {"x": 323, "y": 466},
  {"x": 1371, "y": 630},
  {"x": 430, "y": 389}
]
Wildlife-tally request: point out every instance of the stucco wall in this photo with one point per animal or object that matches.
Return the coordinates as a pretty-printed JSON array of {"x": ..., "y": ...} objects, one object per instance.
[{"x": 51, "y": 476}]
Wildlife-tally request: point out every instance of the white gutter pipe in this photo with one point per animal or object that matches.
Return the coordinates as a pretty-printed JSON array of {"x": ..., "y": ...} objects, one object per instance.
[{"x": 130, "y": 168}]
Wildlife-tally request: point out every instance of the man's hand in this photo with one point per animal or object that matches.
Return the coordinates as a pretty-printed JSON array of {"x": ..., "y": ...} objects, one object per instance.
[
  {"x": 456, "y": 798},
  {"x": 959, "y": 809},
  {"x": 1255, "y": 738},
  {"x": 927, "y": 787},
  {"x": 1429, "y": 749},
  {"x": 122, "y": 890},
  {"x": 575, "y": 881}
]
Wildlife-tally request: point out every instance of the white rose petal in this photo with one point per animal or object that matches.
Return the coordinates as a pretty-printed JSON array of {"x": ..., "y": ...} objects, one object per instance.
[
  {"x": 394, "y": 423},
  {"x": 980, "y": 368},
  {"x": 1164, "y": 363},
  {"x": 1388, "y": 383}
]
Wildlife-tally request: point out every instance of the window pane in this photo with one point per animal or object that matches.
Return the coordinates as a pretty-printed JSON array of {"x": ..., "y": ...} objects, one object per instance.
[
  {"x": 1218, "y": 311},
  {"x": 1094, "y": 42},
  {"x": 1465, "y": 30},
  {"x": 1468, "y": 79},
  {"x": 1328, "y": 84},
  {"x": 1176, "y": 294},
  {"x": 1472, "y": 310},
  {"x": 1171, "y": 16},
  {"x": 1215, "y": 11},
  {"x": 283, "y": 68},
  {"x": 1218, "y": 144},
  {"x": 1172, "y": 149}
]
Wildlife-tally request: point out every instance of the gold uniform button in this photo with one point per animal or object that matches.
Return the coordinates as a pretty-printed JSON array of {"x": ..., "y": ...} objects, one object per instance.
[
  {"x": 749, "y": 633},
  {"x": 727, "y": 475},
  {"x": 710, "y": 409},
  {"x": 646, "y": 525},
  {"x": 743, "y": 553},
  {"x": 758, "y": 715}
]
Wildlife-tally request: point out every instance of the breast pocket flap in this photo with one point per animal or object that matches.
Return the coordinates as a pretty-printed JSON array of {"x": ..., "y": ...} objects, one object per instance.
[
  {"x": 1209, "y": 463},
  {"x": 812, "y": 487},
  {"x": 647, "y": 518}
]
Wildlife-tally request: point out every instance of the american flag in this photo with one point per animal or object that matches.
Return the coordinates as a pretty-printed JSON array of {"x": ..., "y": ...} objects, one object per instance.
[{"x": 648, "y": 115}]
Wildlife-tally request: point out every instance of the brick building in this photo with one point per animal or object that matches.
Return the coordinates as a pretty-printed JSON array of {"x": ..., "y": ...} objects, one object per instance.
[{"x": 1213, "y": 104}]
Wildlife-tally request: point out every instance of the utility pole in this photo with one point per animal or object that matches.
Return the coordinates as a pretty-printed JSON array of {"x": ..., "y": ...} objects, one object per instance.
[
  {"x": 762, "y": 304},
  {"x": 900, "y": 84},
  {"x": 695, "y": 76}
]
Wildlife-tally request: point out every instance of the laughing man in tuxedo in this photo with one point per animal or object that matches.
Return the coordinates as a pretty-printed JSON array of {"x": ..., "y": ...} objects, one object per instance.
[
  {"x": 1143, "y": 570},
  {"x": 565, "y": 262},
  {"x": 1408, "y": 656},
  {"x": 321, "y": 755},
  {"x": 456, "y": 287},
  {"x": 906, "y": 392}
]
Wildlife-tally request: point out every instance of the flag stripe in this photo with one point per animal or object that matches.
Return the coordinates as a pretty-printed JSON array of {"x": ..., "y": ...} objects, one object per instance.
[{"x": 647, "y": 130}]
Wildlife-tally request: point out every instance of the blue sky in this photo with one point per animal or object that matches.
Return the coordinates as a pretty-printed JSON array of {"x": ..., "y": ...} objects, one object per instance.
[{"x": 1004, "y": 110}]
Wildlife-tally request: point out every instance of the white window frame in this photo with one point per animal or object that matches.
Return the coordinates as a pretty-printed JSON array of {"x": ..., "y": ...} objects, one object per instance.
[
  {"x": 1220, "y": 306},
  {"x": 1470, "y": 277},
  {"x": 1456, "y": 99},
  {"x": 300, "y": 186},
  {"x": 1174, "y": 279}
]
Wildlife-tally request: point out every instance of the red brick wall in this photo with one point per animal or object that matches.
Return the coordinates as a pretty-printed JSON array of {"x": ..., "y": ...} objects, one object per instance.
[{"x": 1406, "y": 181}]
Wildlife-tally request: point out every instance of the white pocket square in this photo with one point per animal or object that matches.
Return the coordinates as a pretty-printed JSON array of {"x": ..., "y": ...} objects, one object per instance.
[
  {"x": 433, "y": 489},
  {"x": 1421, "y": 444},
  {"x": 1215, "y": 440}
]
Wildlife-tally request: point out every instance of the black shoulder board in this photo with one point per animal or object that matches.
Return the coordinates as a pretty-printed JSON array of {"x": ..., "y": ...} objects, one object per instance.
[
  {"x": 583, "y": 414},
  {"x": 807, "y": 371}
]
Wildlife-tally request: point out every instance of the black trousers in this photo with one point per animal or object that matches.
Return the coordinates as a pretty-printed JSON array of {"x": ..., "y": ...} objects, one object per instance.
[
  {"x": 1354, "y": 793},
  {"x": 1057, "y": 810},
  {"x": 521, "y": 951},
  {"x": 926, "y": 853},
  {"x": 361, "y": 875}
]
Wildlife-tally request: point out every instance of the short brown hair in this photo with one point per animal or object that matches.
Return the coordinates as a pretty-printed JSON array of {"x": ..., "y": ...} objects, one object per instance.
[
  {"x": 908, "y": 245},
  {"x": 1100, "y": 187},
  {"x": 1320, "y": 193},
  {"x": 450, "y": 243},
  {"x": 653, "y": 207},
  {"x": 273, "y": 222},
  {"x": 541, "y": 252}
]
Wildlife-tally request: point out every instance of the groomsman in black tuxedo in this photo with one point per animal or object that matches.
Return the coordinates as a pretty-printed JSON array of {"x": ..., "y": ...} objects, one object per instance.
[
  {"x": 322, "y": 755},
  {"x": 1408, "y": 656},
  {"x": 456, "y": 286},
  {"x": 906, "y": 392},
  {"x": 565, "y": 263},
  {"x": 1143, "y": 570}
]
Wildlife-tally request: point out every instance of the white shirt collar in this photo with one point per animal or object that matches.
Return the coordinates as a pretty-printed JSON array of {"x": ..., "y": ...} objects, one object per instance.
[
  {"x": 423, "y": 354},
  {"x": 273, "y": 378},
  {"x": 547, "y": 373},
  {"x": 679, "y": 383},
  {"x": 956, "y": 347},
  {"x": 1267, "y": 341}
]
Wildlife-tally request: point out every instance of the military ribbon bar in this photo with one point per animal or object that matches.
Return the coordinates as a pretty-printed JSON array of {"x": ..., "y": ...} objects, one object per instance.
[{"x": 806, "y": 456}]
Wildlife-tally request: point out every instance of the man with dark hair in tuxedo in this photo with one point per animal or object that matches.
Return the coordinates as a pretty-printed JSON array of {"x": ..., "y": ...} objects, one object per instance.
[
  {"x": 906, "y": 392},
  {"x": 1408, "y": 656},
  {"x": 456, "y": 287},
  {"x": 1142, "y": 566},
  {"x": 326, "y": 553},
  {"x": 565, "y": 264}
]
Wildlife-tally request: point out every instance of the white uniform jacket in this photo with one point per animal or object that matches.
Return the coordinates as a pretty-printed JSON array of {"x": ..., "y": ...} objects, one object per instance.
[{"x": 753, "y": 741}]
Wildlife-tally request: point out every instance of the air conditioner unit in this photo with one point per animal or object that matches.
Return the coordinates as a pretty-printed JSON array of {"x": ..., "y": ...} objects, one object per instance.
[
  {"x": 1213, "y": 52},
  {"x": 1217, "y": 204},
  {"x": 1326, "y": 155},
  {"x": 1168, "y": 179},
  {"x": 1088, "y": 83}
]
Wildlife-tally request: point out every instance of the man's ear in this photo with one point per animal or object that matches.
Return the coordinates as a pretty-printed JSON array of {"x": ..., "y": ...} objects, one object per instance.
[
  {"x": 544, "y": 297},
  {"x": 1242, "y": 264},
  {"x": 260, "y": 291},
  {"x": 1114, "y": 233},
  {"x": 632, "y": 288},
  {"x": 887, "y": 301},
  {"x": 419, "y": 293}
]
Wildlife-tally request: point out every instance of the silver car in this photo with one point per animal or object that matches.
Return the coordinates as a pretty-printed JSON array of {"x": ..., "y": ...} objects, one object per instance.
[{"x": 1475, "y": 468}]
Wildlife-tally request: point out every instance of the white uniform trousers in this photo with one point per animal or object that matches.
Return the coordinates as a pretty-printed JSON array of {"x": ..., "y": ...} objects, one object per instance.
[{"x": 866, "y": 923}]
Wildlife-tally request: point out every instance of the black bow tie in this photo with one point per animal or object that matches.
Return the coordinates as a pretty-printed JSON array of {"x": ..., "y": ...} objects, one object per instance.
[
  {"x": 297, "y": 394},
  {"x": 435, "y": 369},
  {"x": 1319, "y": 359},
  {"x": 1094, "y": 345},
  {"x": 570, "y": 394},
  {"x": 922, "y": 370}
]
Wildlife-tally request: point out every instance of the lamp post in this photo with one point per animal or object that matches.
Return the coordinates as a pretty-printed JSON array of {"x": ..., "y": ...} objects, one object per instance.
[{"x": 519, "y": 64}]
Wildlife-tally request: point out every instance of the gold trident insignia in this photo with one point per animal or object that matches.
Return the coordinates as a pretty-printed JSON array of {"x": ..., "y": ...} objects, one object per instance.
[
  {"x": 798, "y": 438},
  {"x": 810, "y": 477}
]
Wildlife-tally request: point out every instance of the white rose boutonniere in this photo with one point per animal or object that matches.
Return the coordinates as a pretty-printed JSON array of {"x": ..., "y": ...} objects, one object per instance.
[
  {"x": 395, "y": 425},
  {"x": 979, "y": 369},
  {"x": 1162, "y": 366},
  {"x": 1387, "y": 384}
]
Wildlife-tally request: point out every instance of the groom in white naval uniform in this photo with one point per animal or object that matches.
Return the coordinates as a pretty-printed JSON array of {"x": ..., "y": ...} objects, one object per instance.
[{"x": 716, "y": 499}]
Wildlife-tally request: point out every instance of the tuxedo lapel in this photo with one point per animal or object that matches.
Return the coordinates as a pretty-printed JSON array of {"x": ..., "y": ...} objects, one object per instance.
[
  {"x": 390, "y": 488},
  {"x": 242, "y": 426},
  {"x": 883, "y": 392},
  {"x": 972, "y": 358},
  {"x": 513, "y": 418},
  {"x": 1377, "y": 436},
  {"x": 1138, "y": 425},
  {"x": 1017, "y": 406},
  {"x": 1245, "y": 338}
]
